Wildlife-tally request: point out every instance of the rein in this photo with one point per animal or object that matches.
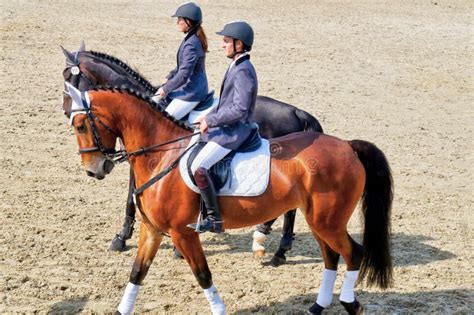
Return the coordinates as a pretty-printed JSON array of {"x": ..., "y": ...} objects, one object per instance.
[
  {"x": 144, "y": 150},
  {"x": 163, "y": 173}
]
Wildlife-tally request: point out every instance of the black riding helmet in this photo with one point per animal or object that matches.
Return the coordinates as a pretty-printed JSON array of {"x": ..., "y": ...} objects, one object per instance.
[
  {"x": 239, "y": 30},
  {"x": 189, "y": 10}
]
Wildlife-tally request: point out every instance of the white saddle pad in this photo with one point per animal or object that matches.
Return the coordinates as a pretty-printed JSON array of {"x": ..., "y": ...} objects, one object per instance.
[{"x": 249, "y": 176}]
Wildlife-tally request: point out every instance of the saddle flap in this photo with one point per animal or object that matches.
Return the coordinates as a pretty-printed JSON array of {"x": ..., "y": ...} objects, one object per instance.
[{"x": 206, "y": 103}]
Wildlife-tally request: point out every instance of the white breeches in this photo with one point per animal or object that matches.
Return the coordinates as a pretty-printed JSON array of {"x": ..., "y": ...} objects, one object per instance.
[
  {"x": 209, "y": 155},
  {"x": 179, "y": 108}
]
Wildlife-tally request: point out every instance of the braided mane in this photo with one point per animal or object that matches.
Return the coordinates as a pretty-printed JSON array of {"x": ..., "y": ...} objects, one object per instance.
[
  {"x": 147, "y": 99},
  {"x": 134, "y": 74}
]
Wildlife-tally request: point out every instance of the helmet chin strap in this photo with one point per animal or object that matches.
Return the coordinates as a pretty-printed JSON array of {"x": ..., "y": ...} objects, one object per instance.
[{"x": 234, "y": 51}]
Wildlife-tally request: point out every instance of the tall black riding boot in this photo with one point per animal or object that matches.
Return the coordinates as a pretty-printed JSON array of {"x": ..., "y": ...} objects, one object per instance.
[{"x": 213, "y": 221}]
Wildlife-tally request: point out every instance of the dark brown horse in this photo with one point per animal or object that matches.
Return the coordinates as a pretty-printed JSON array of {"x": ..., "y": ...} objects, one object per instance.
[
  {"x": 274, "y": 118},
  {"x": 323, "y": 176}
]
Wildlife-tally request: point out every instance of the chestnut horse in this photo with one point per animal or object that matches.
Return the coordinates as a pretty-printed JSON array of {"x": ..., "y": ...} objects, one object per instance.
[
  {"x": 274, "y": 118},
  {"x": 323, "y": 176}
]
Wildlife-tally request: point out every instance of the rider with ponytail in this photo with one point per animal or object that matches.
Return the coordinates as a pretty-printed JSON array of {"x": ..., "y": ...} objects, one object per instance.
[{"x": 186, "y": 85}]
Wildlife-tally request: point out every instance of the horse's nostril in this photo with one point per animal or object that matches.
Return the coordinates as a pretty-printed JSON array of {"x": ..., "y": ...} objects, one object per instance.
[{"x": 108, "y": 166}]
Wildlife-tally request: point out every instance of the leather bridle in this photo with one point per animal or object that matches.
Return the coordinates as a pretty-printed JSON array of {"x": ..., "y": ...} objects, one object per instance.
[{"x": 109, "y": 153}]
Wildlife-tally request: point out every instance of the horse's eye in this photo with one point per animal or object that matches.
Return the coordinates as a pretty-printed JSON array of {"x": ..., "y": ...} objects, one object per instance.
[{"x": 81, "y": 128}]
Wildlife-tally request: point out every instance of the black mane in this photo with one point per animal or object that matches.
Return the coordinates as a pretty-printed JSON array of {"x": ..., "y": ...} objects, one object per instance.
[
  {"x": 146, "y": 98},
  {"x": 134, "y": 74}
]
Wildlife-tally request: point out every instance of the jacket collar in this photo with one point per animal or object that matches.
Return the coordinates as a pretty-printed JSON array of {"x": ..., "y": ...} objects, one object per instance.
[
  {"x": 191, "y": 32},
  {"x": 239, "y": 60}
]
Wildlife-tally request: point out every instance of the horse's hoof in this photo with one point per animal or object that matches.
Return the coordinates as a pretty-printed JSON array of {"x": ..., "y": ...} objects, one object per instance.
[
  {"x": 117, "y": 245},
  {"x": 278, "y": 261},
  {"x": 259, "y": 254},
  {"x": 177, "y": 254},
  {"x": 316, "y": 309},
  {"x": 353, "y": 308}
]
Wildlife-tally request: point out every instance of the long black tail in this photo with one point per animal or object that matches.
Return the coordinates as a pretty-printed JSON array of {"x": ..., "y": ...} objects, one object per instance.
[
  {"x": 309, "y": 122},
  {"x": 376, "y": 207}
]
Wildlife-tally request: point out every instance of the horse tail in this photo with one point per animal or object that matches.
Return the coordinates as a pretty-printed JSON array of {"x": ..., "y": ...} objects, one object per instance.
[
  {"x": 309, "y": 122},
  {"x": 376, "y": 208}
]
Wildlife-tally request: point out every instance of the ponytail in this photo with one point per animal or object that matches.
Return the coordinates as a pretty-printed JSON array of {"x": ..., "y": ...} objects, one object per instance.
[
  {"x": 202, "y": 37},
  {"x": 194, "y": 26}
]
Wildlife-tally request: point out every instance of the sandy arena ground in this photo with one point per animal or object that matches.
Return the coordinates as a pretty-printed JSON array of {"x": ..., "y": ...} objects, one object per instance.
[{"x": 396, "y": 73}]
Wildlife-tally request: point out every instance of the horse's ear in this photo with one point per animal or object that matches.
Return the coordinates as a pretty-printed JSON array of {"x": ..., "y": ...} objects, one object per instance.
[
  {"x": 69, "y": 56},
  {"x": 82, "y": 47}
]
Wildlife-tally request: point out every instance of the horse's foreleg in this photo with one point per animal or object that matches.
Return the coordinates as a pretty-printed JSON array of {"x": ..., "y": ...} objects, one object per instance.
[
  {"x": 258, "y": 243},
  {"x": 118, "y": 243},
  {"x": 286, "y": 240},
  {"x": 191, "y": 249},
  {"x": 148, "y": 244},
  {"x": 259, "y": 238}
]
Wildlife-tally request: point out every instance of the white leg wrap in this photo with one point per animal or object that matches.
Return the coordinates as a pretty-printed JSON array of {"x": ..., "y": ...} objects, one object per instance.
[
  {"x": 347, "y": 291},
  {"x": 327, "y": 286},
  {"x": 128, "y": 299},
  {"x": 258, "y": 241},
  {"x": 215, "y": 301}
]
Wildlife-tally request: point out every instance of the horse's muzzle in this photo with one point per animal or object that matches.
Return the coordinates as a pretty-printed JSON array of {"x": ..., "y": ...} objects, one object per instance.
[{"x": 105, "y": 167}]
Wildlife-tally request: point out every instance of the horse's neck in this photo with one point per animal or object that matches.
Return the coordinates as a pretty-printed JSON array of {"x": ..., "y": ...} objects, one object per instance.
[
  {"x": 104, "y": 73},
  {"x": 145, "y": 127},
  {"x": 107, "y": 72},
  {"x": 140, "y": 127}
]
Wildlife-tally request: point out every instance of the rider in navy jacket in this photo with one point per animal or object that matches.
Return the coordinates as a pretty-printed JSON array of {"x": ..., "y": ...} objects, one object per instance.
[
  {"x": 188, "y": 81},
  {"x": 228, "y": 122},
  {"x": 227, "y": 126},
  {"x": 187, "y": 84}
]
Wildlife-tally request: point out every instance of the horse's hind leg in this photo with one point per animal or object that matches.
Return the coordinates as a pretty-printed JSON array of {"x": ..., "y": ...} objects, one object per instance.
[
  {"x": 326, "y": 288},
  {"x": 190, "y": 247},
  {"x": 340, "y": 242},
  {"x": 118, "y": 243},
  {"x": 347, "y": 297},
  {"x": 148, "y": 244}
]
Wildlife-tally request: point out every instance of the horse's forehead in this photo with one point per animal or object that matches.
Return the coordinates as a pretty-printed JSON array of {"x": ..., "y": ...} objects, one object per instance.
[{"x": 77, "y": 105}]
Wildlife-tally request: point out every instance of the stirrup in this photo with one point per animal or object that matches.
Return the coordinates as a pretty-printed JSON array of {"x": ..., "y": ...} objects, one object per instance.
[{"x": 206, "y": 225}]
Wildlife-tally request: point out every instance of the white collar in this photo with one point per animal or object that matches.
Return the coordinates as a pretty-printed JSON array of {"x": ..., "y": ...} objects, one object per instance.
[{"x": 234, "y": 61}]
